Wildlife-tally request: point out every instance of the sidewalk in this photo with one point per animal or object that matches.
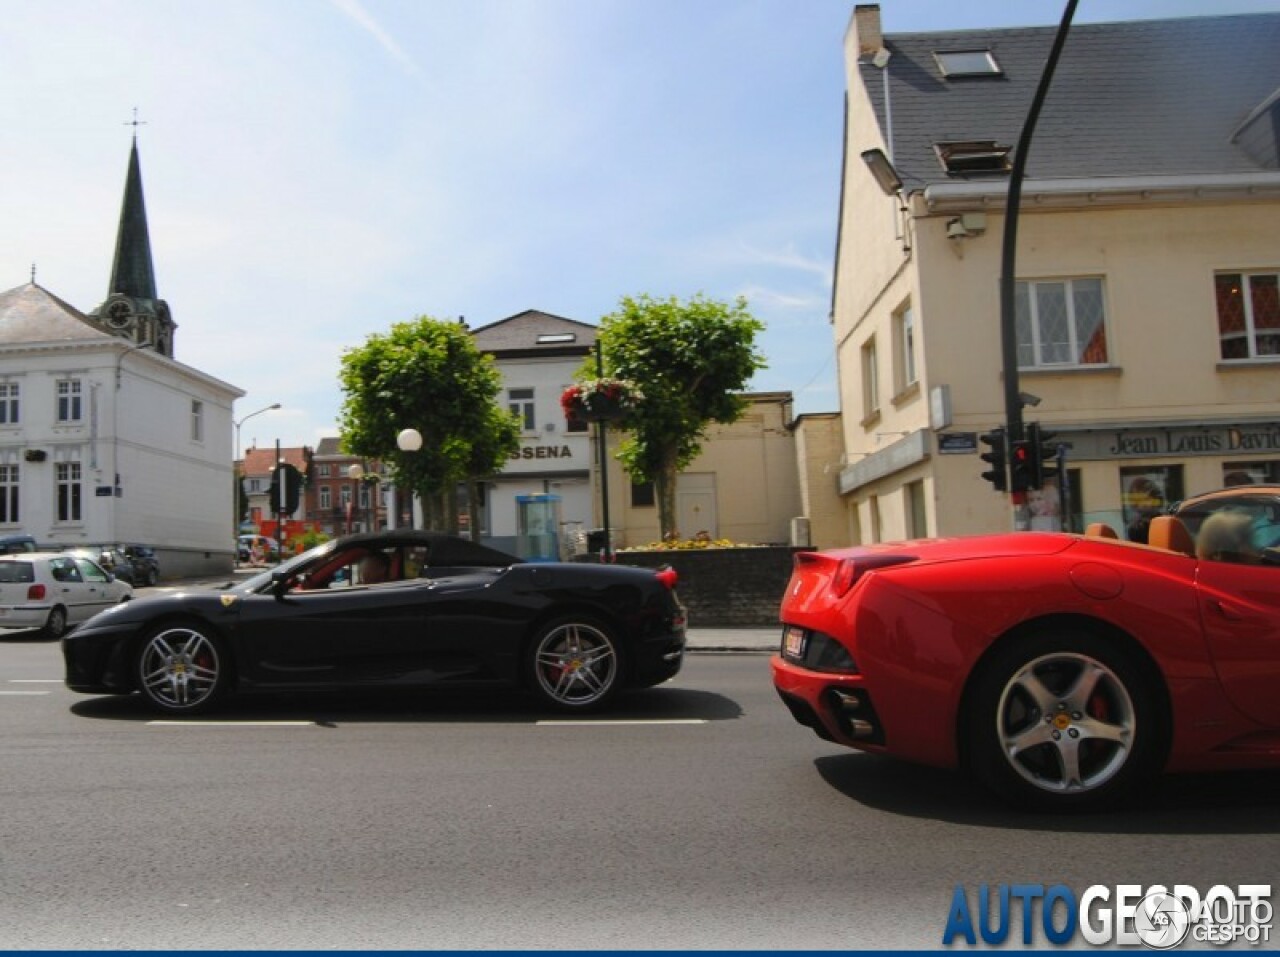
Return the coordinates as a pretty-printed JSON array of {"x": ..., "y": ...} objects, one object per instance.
[{"x": 734, "y": 640}]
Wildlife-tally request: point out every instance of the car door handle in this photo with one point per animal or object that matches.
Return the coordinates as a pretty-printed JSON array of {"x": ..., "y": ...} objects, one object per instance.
[{"x": 1225, "y": 610}]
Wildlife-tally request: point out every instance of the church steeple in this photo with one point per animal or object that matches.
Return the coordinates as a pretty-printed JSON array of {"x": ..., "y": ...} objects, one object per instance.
[
  {"x": 132, "y": 310},
  {"x": 133, "y": 274}
]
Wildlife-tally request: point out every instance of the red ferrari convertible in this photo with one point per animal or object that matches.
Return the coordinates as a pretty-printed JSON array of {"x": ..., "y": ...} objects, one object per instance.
[{"x": 1060, "y": 669}]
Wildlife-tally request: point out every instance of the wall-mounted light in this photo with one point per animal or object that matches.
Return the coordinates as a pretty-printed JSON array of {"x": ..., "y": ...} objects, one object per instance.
[{"x": 886, "y": 176}]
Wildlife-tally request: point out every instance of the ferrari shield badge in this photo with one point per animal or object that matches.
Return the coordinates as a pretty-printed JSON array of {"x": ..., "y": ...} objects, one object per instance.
[{"x": 229, "y": 600}]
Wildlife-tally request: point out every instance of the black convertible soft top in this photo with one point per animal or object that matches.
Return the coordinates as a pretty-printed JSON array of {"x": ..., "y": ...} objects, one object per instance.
[{"x": 442, "y": 549}]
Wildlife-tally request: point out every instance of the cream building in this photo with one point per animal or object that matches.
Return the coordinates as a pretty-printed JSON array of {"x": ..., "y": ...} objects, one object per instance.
[
  {"x": 1147, "y": 267},
  {"x": 744, "y": 486}
]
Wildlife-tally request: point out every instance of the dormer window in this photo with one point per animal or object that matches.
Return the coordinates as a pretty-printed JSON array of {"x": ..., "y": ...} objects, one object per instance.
[
  {"x": 954, "y": 63},
  {"x": 973, "y": 156}
]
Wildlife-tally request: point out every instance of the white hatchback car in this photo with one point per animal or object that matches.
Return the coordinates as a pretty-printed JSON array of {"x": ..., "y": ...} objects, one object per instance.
[{"x": 55, "y": 590}]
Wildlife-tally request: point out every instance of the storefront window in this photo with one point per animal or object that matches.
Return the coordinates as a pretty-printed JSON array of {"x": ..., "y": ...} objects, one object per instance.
[
  {"x": 1145, "y": 492},
  {"x": 1046, "y": 505},
  {"x": 1250, "y": 473}
]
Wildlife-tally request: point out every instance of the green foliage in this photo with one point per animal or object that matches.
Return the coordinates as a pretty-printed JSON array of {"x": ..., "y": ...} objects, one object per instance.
[
  {"x": 309, "y": 540},
  {"x": 691, "y": 359},
  {"x": 426, "y": 374}
]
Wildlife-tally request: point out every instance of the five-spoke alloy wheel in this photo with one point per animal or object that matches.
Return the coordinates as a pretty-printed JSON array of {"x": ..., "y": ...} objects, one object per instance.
[
  {"x": 1062, "y": 720},
  {"x": 575, "y": 664},
  {"x": 182, "y": 668}
]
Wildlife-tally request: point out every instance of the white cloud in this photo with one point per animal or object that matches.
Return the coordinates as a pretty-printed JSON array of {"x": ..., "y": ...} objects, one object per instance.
[{"x": 356, "y": 11}]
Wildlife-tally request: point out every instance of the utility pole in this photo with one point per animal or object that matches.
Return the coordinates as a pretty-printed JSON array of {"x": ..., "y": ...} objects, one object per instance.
[
  {"x": 602, "y": 427},
  {"x": 1014, "y": 430}
]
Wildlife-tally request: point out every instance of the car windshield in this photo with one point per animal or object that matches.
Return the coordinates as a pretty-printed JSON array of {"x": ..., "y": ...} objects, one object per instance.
[{"x": 263, "y": 578}]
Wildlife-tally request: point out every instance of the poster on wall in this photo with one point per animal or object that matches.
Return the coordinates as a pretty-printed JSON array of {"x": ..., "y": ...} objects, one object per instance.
[{"x": 1145, "y": 492}]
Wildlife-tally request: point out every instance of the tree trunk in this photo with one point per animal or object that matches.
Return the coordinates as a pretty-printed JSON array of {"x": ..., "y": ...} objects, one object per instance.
[
  {"x": 473, "y": 509},
  {"x": 451, "y": 508},
  {"x": 664, "y": 487}
]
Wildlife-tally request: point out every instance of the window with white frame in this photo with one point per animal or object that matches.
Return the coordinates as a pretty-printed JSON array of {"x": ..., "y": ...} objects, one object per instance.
[
  {"x": 324, "y": 471},
  {"x": 68, "y": 491},
  {"x": 344, "y": 495},
  {"x": 904, "y": 348},
  {"x": 326, "y": 497},
  {"x": 197, "y": 420},
  {"x": 69, "y": 406},
  {"x": 870, "y": 380},
  {"x": 520, "y": 402},
  {"x": 1060, "y": 322},
  {"x": 1248, "y": 314},
  {"x": 364, "y": 495},
  {"x": 9, "y": 494},
  {"x": 9, "y": 407}
]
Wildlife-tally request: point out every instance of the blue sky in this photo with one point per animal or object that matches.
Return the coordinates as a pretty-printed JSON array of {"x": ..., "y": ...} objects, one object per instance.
[{"x": 316, "y": 170}]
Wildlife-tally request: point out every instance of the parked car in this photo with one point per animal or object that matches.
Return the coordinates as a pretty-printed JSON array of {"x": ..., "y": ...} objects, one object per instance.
[
  {"x": 10, "y": 544},
  {"x": 113, "y": 559},
  {"x": 55, "y": 591},
  {"x": 398, "y": 608},
  {"x": 145, "y": 562},
  {"x": 269, "y": 548},
  {"x": 1062, "y": 670}
]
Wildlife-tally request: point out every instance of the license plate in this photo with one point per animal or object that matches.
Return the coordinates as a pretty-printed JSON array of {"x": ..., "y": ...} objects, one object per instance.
[{"x": 793, "y": 642}]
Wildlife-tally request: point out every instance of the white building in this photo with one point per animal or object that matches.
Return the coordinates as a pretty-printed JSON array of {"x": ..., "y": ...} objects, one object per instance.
[
  {"x": 104, "y": 436},
  {"x": 538, "y": 354}
]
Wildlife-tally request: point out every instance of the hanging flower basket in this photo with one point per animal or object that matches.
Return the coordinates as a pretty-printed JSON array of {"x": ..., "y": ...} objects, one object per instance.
[{"x": 600, "y": 400}]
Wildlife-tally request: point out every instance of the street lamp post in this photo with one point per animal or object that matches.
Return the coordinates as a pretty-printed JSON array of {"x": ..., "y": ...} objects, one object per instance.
[
  {"x": 235, "y": 503},
  {"x": 240, "y": 422},
  {"x": 409, "y": 440}
]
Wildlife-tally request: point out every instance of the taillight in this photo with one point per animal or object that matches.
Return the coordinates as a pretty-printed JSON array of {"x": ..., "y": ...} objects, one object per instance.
[
  {"x": 851, "y": 569},
  {"x": 35, "y": 593},
  {"x": 667, "y": 575}
]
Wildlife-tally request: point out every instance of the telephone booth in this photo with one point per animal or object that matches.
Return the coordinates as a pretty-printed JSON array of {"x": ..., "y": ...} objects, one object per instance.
[{"x": 538, "y": 527}]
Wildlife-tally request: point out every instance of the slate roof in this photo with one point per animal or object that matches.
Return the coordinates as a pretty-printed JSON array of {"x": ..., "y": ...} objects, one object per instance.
[
  {"x": 31, "y": 314},
  {"x": 519, "y": 333},
  {"x": 132, "y": 273},
  {"x": 1140, "y": 98}
]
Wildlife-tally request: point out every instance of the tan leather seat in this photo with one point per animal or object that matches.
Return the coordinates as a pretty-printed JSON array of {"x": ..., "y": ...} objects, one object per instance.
[
  {"x": 1168, "y": 532},
  {"x": 1100, "y": 530}
]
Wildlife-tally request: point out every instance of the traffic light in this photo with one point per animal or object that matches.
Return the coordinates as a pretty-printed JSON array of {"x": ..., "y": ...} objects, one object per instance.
[
  {"x": 1022, "y": 467},
  {"x": 1044, "y": 454},
  {"x": 997, "y": 474}
]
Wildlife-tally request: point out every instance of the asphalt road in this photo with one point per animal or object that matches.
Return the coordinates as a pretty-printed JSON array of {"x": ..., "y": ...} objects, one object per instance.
[{"x": 697, "y": 815}]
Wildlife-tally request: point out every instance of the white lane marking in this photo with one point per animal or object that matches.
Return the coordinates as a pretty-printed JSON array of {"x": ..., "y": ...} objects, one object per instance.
[
  {"x": 35, "y": 681},
  {"x": 231, "y": 724},
  {"x": 19, "y": 694},
  {"x": 572, "y": 723}
]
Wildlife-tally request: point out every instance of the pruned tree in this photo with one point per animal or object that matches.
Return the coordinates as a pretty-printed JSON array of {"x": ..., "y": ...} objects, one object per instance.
[
  {"x": 692, "y": 360},
  {"x": 427, "y": 374}
]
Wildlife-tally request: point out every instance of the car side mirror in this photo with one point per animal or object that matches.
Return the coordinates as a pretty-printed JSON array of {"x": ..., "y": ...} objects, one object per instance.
[{"x": 279, "y": 583}]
